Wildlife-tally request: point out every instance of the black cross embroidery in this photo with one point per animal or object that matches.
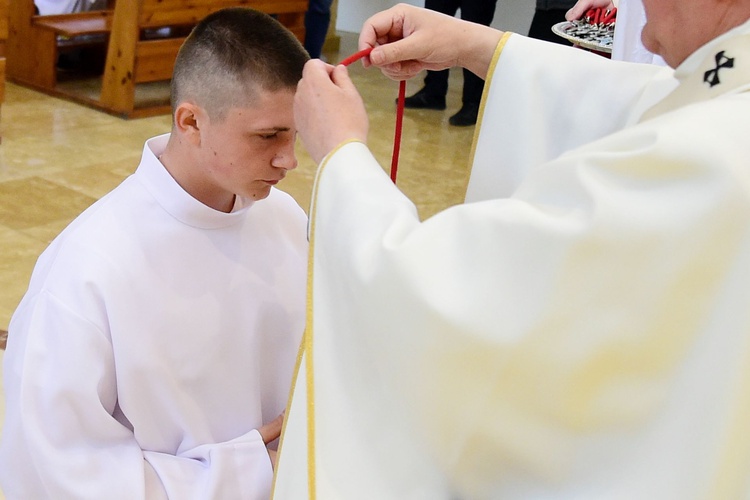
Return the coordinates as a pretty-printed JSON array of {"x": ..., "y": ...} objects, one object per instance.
[{"x": 711, "y": 77}]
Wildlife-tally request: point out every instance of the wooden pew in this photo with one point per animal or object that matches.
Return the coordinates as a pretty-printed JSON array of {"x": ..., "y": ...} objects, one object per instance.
[
  {"x": 34, "y": 45},
  {"x": 131, "y": 59},
  {"x": 133, "y": 56}
]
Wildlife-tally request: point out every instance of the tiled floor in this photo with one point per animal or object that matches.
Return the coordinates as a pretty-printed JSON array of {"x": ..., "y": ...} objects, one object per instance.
[{"x": 56, "y": 158}]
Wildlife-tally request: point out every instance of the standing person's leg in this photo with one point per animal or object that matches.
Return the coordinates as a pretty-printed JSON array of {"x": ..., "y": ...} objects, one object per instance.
[
  {"x": 432, "y": 95},
  {"x": 317, "y": 19},
  {"x": 480, "y": 12}
]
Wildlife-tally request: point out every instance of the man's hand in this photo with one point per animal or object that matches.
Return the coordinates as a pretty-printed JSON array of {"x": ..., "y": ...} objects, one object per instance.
[
  {"x": 270, "y": 432},
  {"x": 582, "y": 6},
  {"x": 328, "y": 110},
  {"x": 408, "y": 39}
]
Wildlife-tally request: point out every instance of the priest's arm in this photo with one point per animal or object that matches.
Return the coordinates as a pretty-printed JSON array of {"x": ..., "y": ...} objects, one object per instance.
[{"x": 523, "y": 337}]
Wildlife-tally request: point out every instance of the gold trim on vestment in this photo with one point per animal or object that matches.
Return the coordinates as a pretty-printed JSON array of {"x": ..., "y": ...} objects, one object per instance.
[
  {"x": 297, "y": 365},
  {"x": 483, "y": 101},
  {"x": 306, "y": 346}
]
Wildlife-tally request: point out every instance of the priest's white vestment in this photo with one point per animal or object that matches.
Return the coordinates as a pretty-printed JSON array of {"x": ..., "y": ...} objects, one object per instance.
[
  {"x": 579, "y": 328},
  {"x": 157, "y": 335}
]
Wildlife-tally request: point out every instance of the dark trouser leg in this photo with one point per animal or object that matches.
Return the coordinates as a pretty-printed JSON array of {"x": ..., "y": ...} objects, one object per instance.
[
  {"x": 541, "y": 25},
  {"x": 436, "y": 82},
  {"x": 317, "y": 19},
  {"x": 473, "y": 88},
  {"x": 481, "y": 12}
]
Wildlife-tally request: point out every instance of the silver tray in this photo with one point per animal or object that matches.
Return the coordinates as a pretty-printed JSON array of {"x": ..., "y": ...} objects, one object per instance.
[{"x": 585, "y": 37}]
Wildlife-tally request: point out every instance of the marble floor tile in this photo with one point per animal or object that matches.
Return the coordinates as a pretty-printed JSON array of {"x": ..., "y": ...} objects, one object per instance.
[
  {"x": 18, "y": 254},
  {"x": 35, "y": 201}
]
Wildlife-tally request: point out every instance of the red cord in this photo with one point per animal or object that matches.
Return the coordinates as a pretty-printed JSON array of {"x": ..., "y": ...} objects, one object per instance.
[
  {"x": 399, "y": 111},
  {"x": 399, "y": 128},
  {"x": 356, "y": 56}
]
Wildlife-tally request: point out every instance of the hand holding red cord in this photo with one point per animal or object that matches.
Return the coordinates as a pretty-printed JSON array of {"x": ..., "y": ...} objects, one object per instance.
[
  {"x": 583, "y": 6},
  {"x": 302, "y": 114},
  {"x": 408, "y": 39},
  {"x": 402, "y": 41},
  {"x": 399, "y": 111},
  {"x": 328, "y": 110}
]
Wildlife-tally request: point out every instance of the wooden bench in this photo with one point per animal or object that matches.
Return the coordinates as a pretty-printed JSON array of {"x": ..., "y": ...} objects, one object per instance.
[
  {"x": 131, "y": 59},
  {"x": 34, "y": 41},
  {"x": 142, "y": 37}
]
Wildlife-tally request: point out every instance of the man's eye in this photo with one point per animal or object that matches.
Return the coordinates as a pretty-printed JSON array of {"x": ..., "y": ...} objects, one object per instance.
[{"x": 269, "y": 136}]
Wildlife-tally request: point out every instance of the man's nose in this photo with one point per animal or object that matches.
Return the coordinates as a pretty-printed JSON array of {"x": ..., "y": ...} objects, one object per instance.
[{"x": 285, "y": 158}]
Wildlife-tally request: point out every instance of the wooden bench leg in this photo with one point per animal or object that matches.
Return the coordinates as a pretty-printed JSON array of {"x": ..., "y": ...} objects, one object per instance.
[
  {"x": 35, "y": 61},
  {"x": 118, "y": 80},
  {"x": 118, "y": 84}
]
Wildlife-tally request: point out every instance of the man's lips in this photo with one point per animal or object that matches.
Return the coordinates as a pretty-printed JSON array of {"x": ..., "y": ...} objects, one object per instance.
[{"x": 273, "y": 182}]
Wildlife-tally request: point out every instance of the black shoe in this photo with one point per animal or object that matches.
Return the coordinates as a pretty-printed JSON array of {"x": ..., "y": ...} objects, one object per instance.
[
  {"x": 466, "y": 116},
  {"x": 423, "y": 100}
]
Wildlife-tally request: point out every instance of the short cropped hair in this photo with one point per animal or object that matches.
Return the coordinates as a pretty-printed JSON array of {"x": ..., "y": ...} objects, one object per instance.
[{"x": 231, "y": 55}]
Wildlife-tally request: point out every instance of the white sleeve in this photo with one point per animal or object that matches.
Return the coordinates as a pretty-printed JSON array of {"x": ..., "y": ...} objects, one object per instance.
[
  {"x": 61, "y": 440},
  {"x": 542, "y": 99}
]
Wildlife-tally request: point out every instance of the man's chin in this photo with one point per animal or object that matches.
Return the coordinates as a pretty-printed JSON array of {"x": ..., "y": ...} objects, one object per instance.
[
  {"x": 260, "y": 194},
  {"x": 649, "y": 42}
]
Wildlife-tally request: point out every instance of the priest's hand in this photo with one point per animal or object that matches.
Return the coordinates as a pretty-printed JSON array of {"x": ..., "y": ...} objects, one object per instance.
[
  {"x": 328, "y": 110},
  {"x": 408, "y": 39},
  {"x": 582, "y": 6},
  {"x": 270, "y": 432}
]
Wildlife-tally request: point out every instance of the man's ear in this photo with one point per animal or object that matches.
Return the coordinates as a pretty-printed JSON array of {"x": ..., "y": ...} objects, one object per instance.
[{"x": 188, "y": 119}]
